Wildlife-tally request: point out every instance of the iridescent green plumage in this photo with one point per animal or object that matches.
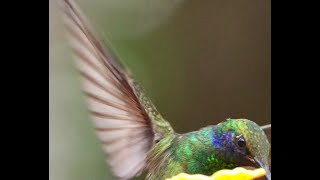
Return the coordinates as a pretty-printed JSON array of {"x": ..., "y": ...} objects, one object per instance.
[
  {"x": 135, "y": 136},
  {"x": 196, "y": 152}
]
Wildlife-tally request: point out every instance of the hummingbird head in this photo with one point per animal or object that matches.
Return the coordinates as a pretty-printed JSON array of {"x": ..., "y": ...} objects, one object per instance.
[{"x": 243, "y": 143}]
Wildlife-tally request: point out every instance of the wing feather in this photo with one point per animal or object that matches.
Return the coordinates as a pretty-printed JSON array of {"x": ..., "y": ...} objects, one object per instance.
[{"x": 122, "y": 122}]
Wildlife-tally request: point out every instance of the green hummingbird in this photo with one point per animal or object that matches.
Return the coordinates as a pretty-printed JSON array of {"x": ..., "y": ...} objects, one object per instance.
[{"x": 134, "y": 135}]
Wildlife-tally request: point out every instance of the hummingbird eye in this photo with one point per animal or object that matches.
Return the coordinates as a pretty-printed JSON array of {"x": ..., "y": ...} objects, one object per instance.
[{"x": 241, "y": 141}]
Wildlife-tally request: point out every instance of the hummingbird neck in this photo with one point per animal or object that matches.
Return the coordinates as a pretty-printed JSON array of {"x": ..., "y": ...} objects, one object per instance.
[
  {"x": 214, "y": 155},
  {"x": 191, "y": 153},
  {"x": 197, "y": 154}
]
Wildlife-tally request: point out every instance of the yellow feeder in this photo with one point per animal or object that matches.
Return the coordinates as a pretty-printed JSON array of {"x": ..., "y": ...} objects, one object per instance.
[{"x": 235, "y": 174}]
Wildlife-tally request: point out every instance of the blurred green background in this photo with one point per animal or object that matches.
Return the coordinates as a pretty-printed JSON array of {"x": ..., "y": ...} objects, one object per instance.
[{"x": 199, "y": 61}]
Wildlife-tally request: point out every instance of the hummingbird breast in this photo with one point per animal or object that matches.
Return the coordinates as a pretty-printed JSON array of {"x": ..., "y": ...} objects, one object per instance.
[{"x": 184, "y": 153}]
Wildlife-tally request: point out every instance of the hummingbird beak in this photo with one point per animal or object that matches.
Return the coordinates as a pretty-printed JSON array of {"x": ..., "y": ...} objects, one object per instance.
[
  {"x": 265, "y": 167},
  {"x": 256, "y": 163}
]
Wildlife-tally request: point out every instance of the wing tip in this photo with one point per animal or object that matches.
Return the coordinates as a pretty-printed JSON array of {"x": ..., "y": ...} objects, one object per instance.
[{"x": 266, "y": 126}]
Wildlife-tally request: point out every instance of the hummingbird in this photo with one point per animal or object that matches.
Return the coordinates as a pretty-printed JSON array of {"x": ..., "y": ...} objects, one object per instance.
[{"x": 134, "y": 135}]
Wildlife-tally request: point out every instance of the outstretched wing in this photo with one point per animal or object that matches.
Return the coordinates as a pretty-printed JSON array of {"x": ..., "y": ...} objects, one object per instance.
[
  {"x": 125, "y": 120},
  {"x": 267, "y": 131}
]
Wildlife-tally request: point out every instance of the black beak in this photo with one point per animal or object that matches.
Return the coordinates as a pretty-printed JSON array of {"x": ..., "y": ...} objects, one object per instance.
[
  {"x": 256, "y": 163},
  {"x": 265, "y": 167}
]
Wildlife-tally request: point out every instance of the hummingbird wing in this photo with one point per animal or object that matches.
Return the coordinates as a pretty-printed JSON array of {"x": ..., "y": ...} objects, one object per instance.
[
  {"x": 125, "y": 120},
  {"x": 267, "y": 131}
]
